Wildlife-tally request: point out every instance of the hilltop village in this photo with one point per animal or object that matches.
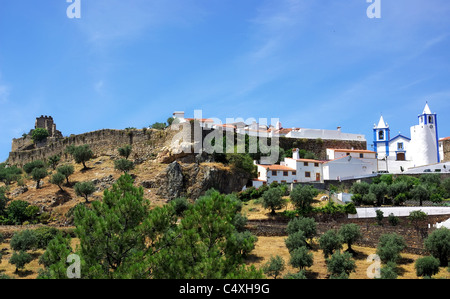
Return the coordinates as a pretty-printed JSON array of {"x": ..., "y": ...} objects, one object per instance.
[
  {"x": 423, "y": 152},
  {"x": 281, "y": 202}
]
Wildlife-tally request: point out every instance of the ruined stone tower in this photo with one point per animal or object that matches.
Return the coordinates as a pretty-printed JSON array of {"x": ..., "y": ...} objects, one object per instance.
[{"x": 46, "y": 122}]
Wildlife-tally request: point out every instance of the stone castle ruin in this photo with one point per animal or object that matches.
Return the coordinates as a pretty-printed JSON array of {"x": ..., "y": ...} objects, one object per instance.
[
  {"x": 26, "y": 142},
  {"x": 46, "y": 122}
]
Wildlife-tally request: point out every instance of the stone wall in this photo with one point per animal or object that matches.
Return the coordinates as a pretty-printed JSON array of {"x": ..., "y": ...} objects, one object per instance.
[
  {"x": 102, "y": 142},
  {"x": 446, "y": 157},
  {"x": 370, "y": 229},
  {"x": 149, "y": 143},
  {"x": 319, "y": 146}
]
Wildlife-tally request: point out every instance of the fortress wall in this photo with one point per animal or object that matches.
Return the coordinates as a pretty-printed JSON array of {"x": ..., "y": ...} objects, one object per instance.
[
  {"x": 148, "y": 143},
  {"x": 102, "y": 142}
]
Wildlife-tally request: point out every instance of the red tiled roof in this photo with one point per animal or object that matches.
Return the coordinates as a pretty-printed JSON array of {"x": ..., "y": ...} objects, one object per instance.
[
  {"x": 352, "y": 151},
  {"x": 444, "y": 139},
  {"x": 307, "y": 160},
  {"x": 278, "y": 167},
  {"x": 203, "y": 120}
]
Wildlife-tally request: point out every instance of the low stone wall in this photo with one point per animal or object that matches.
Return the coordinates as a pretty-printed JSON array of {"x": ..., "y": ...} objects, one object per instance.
[{"x": 371, "y": 231}]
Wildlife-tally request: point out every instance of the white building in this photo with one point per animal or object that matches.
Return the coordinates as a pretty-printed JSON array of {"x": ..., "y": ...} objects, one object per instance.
[
  {"x": 324, "y": 134},
  {"x": 348, "y": 167},
  {"x": 396, "y": 155},
  {"x": 345, "y": 165}
]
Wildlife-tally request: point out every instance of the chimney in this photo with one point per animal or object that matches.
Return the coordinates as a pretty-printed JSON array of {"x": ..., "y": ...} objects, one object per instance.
[
  {"x": 339, "y": 128},
  {"x": 178, "y": 114},
  {"x": 295, "y": 154}
]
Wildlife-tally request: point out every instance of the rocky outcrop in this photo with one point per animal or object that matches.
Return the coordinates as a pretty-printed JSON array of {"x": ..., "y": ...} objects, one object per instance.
[{"x": 193, "y": 180}]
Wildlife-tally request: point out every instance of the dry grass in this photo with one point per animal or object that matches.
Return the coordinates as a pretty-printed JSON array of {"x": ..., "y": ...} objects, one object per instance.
[
  {"x": 271, "y": 246},
  {"x": 254, "y": 209},
  {"x": 31, "y": 269}
]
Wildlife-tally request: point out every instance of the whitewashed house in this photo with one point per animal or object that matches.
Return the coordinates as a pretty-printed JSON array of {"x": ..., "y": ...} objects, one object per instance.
[{"x": 345, "y": 164}]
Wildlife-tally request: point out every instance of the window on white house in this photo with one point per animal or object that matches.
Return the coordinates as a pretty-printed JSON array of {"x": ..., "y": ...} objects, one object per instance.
[{"x": 400, "y": 145}]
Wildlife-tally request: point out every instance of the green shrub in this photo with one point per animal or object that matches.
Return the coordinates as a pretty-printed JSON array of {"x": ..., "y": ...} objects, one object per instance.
[
  {"x": 357, "y": 199},
  {"x": 66, "y": 171},
  {"x": 393, "y": 220},
  {"x": 274, "y": 267},
  {"x": 329, "y": 242},
  {"x": 389, "y": 271},
  {"x": 390, "y": 246},
  {"x": 125, "y": 151},
  {"x": 438, "y": 245},
  {"x": 58, "y": 179},
  {"x": 180, "y": 205},
  {"x": 306, "y": 225},
  {"x": 28, "y": 167},
  {"x": 20, "y": 260},
  {"x": 350, "y": 233},
  {"x": 301, "y": 258},
  {"x": 273, "y": 200},
  {"x": 44, "y": 235},
  {"x": 16, "y": 212},
  {"x": 295, "y": 241},
  {"x": 379, "y": 216},
  {"x": 39, "y": 134},
  {"x": 81, "y": 154},
  {"x": 123, "y": 165},
  {"x": 24, "y": 240},
  {"x": 303, "y": 196},
  {"x": 340, "y": 265},
  {"x": 400, "y": 199},
  {"x": 84, "y": 189},
  {"x": 427, "y": 266},
  {"x": 361, "y": 188}
]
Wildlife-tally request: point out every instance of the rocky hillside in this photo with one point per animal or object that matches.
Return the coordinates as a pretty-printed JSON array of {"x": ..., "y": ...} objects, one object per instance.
[{"x": 160, "y": 169}]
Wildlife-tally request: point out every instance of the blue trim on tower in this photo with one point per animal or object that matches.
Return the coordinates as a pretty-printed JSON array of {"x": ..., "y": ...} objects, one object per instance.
[{"x": 437, "y": 138}]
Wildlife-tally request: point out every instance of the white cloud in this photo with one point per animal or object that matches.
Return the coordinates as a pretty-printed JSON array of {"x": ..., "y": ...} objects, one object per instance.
[
  {"x": 4, "y": 93},
  {"x": 99, "y": 87},
  {"x": 107, "y": 21}
]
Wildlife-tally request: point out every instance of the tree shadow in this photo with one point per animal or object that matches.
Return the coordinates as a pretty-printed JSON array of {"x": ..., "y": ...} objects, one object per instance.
[
  {"x": 252, "y": 258},
  {"x": 359, "y": 255},
  {"x": 405, "y": 261},
  {"x": 311, "y": 275},
  {"x": 23, "y": 273},
  {"x": 35, "y": 255},
  {"x": 400, "y": 271},
  {"x": 86, "y": 169},
  {"x": 62, "y": 196}
]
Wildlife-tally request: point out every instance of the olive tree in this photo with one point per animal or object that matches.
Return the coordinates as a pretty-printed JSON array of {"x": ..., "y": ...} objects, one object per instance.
[
  {"x": 438, "y": 245},
  {"x": 272, "y": 199}
]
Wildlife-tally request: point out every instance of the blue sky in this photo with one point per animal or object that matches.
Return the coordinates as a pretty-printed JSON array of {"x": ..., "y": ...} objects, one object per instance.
[{"x": 313, "y": 64}]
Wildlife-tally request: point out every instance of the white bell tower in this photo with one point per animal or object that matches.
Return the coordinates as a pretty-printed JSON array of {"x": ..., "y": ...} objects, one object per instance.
[
  {"x": 425, "y": 139},
  {"x": 381, "y": 138}
]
